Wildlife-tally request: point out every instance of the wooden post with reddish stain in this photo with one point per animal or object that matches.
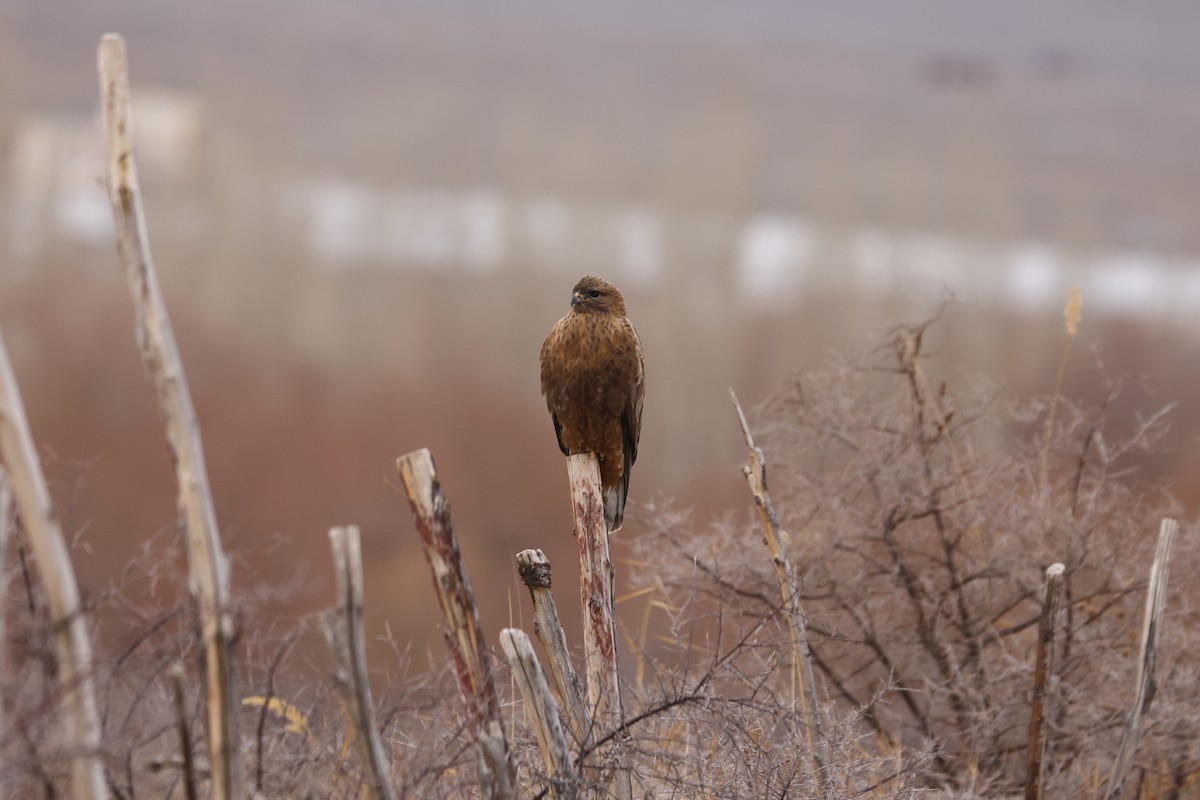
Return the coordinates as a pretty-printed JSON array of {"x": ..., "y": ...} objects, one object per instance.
[
  {"x": 597, "y": 585},
  {"x": 464, "y": 636},
  {"x": 596, "y": 582}
]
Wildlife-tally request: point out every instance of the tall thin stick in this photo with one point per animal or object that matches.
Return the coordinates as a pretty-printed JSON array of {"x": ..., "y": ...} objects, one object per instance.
[
  {"x": 71, "y": 642},
  {"x": 598, "y": 596},
  {"x": 464, "y": 636},
  {"x": 208, "y": 570},
  {"x": 344, "y": 632},
  {"x": 1156, "y": 598},
  {"x": 1047, "y": 627},
  {"x": 789, "y": 588}
]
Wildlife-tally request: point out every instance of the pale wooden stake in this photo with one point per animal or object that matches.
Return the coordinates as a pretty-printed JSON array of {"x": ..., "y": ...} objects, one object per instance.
[
  {"x": 71, "y": 643},
  {"x": 541, "y": 710},
  {"x": 208, "y": 569},
  {"x": 789, "y": 589},
  {"x": 464, "y": 636},
  {"x": 598, "y": 595},
  {"x": 1044, "y": 669},
  {"x": 344, "y": 632},
  {"x": 534, "y": 569},
  {"x": 1156, "y": 598}
]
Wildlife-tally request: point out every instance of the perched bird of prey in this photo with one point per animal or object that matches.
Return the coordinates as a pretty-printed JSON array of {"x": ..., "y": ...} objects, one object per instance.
[{"x": 593, "y": 381}]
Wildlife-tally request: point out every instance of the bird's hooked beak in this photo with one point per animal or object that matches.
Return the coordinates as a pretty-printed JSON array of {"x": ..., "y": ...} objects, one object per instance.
[{"x": 576, "y": 299}]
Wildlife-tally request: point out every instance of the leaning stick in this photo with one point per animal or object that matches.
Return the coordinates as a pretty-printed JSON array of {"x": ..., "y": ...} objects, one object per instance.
[
  {"x": 789, "y": 588},
  {"x": 534, "y": 569},
  {"x": 1156, "y": 598},
  {"x": 71, "y": 642},
  {"x": 464, "y": 635},
  {"x": 344, "y": 632},
  {"x": 1047, "y": 627},
  {"x": 208, "y": 569},
  {"x": 541, "y": 710}
]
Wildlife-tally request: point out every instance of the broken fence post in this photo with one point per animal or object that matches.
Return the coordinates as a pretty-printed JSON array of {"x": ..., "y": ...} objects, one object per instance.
[
  {"x": 464, "y": 636},
  {"x": 541, "y": 710},
  {"x": 1042, "y": 673},
  {"x": 534, "y": 569}
]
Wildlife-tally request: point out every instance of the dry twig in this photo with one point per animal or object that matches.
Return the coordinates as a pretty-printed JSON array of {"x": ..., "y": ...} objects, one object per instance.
[{"x": 785, "y": 575}]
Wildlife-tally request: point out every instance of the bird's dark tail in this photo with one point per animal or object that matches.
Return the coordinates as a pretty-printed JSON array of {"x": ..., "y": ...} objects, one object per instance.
[{"x": 614, "y": 504}]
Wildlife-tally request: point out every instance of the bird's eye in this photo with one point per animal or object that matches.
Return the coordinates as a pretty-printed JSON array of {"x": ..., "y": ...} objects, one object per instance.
[{"x": 593, "y": 293}]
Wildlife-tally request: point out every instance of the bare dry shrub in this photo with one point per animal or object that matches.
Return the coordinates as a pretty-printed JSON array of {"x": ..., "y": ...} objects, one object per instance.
[
  {"x": 917, "y": 517},
  {"x": 921, "y": 523},
  {"x": 294, "y": 733}
]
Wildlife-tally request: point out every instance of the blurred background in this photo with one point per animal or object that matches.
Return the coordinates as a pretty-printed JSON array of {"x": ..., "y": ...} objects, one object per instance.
[{"x": 366, "y": 216}]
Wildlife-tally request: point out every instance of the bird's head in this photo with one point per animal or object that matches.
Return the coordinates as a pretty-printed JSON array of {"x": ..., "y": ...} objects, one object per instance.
[{"x": 594, "y": 295}]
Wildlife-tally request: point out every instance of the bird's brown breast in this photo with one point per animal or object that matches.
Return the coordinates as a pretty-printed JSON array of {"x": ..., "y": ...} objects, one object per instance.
[{"x": 590, "y": 366}]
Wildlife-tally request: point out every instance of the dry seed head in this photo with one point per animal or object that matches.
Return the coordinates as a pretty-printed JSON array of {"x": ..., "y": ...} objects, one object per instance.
[{"x": 1072, "y": 311}]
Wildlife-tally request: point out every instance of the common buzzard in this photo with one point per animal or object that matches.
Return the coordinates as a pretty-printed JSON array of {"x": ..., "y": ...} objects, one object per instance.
[{"x": 593, "y": 381}]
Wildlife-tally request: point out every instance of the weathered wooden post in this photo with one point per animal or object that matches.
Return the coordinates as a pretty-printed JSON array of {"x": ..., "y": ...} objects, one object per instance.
[
  {"x": 208, "y": 568},
  {"x": 464, "y": 636},
  {"x": 534, "y": 569},
  {"x": 1043, "y": 671},
  {"x": 541, "y": 711},
  {"x": 1156, "y": 598},
  {"x": 597, "y": 586}
]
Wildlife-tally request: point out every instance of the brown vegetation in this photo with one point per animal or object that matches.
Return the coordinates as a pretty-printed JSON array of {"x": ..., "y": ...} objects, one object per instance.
[
  {"x": 919, "y": 531},
  {"x": 916, "y": 512}
]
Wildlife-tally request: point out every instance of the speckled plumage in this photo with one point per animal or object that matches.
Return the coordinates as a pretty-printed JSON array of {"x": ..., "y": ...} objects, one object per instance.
[{"x": 593, "y": 380}]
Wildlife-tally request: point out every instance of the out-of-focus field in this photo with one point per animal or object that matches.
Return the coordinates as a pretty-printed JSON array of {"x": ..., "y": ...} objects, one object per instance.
[{"x": 367, "y": 216}]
